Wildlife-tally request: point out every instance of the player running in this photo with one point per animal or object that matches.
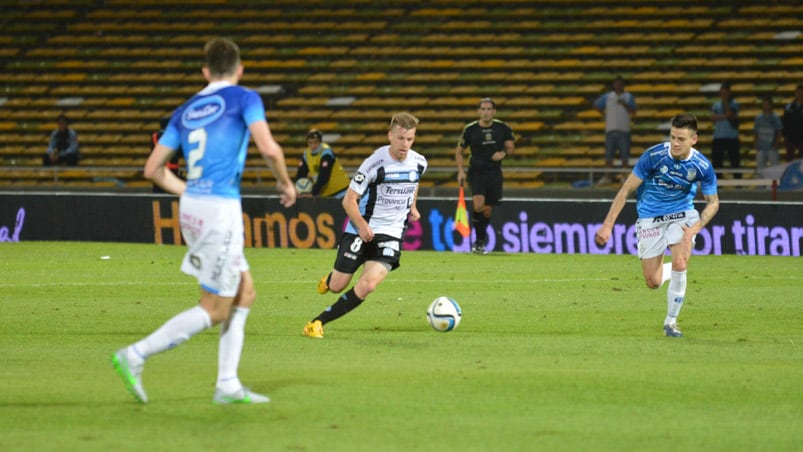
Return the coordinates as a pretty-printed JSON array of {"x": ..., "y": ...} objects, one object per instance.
[
  {"x": 380, "y": 200},
  {"x": 213, "y": 128},
  {"x": 666, "y": 177}
]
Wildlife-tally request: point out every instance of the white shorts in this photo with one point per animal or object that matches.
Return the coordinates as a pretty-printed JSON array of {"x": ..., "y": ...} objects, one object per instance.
[
  {"x": 657, "y": 233},
  {"x": 213, "y": 230}
]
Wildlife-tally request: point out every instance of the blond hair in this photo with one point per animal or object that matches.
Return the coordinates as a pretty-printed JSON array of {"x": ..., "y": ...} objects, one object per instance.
[{"x": 404, "y": 120}]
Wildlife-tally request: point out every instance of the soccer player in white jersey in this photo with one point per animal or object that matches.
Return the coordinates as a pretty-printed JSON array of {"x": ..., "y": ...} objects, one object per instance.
[
  {"x": 379, "y": 202},
  {"x": 666, "y": 178},
  {"x": 213, "y": 128}
]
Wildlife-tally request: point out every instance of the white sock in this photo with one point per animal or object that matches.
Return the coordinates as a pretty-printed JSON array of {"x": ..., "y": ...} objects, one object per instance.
[
  {"x": 667, "y": 273},
  {"x": 675, "y": 296},
  {"x": 232, "y": 337},
  {"x": 174, "y": 332}
]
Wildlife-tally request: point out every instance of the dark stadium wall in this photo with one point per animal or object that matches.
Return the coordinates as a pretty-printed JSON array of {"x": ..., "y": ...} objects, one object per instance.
[{"x": 519, "y": 226}]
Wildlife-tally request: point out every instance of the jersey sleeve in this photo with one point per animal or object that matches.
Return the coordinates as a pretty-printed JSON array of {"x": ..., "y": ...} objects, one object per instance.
[
  {"x": 363, "y": 177},
  {"x": 600, "y": 102},
  {"x": 253, "y": 109},
  {"x": 171, "y": 137},
  {"x": 508, "y": 133},
  {"x": 643, "y": 165},
  {"x": 708, "y": 181}
]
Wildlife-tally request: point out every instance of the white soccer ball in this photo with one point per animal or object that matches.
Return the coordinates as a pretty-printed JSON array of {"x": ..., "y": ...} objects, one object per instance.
[
  {"x": 444, "y": 314},
  {"x": 304, "y": 186}
]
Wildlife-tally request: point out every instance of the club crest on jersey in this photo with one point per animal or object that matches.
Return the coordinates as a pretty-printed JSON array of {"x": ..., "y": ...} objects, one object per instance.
[
  {"x": 413, "y": 176},
  {"x": 691, "y": 174},
  {"x": 664, "y": 169},
  {"x": 203, "y": 111}
]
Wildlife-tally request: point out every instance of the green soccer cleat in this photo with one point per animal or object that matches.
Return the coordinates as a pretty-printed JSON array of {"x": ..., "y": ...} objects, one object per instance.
[
  {"x": 242, "y": 397},
  {"x": 130, "y": 375}
]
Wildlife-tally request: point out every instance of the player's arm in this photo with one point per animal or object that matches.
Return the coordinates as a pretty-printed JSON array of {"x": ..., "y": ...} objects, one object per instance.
[
  {"x": 156, "y": 170},
  {"x": 352, "y": 207},
  {"x": 324, "y": 173},
  {"x": 274, "y": 157},
  {"x": 510, "y": 148},
  {"x": 303, "y": 169},
  {"x": 458, "y": 158},
  {"x": 711, "y": 209},
  {"x": 415, "y": 215},
  {"x": 630, "y": 185}
]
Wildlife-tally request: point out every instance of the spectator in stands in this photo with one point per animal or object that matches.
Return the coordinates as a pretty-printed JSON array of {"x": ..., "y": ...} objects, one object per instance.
[
  {"x": 490, "y": 140},
  {"x": 63, "y": 147},
  {"x": 767, "y": 130},
  {"x": 793, "y": 126},
  {"x": 320, "y": 165},
  {"x": 618, "y": 106},
  {"x": 725, "y": 116},
  {"x": 172, "y": 164}
]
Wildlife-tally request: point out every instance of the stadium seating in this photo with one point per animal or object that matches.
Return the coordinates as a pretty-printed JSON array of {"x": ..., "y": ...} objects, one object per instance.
[{"x": 344, "y": 66}]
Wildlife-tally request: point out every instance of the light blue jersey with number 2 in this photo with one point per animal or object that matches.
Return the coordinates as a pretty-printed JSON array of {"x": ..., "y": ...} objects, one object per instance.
[{"x": 212, "y": 130}]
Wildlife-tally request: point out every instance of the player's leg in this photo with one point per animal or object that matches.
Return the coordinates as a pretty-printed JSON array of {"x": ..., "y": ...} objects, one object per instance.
[
  {"x": 129, "y": 361},
  {"x": 229, "y": 389},
  {"x": 610, "y": 152},
  {"x": 334, "y": 281},
  {"x": 338, "y": 279},
  {"x": 717, "y": 154},
  {"x": 479, "y": 221},
  {"x": 373, "y": 273},
  {"x": 676, "y": 291},
  {"x": 350, "y": 255},
  {"x": 734, "y": 156}
]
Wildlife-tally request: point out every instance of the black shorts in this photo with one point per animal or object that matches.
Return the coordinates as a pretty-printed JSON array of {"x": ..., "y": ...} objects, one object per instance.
[
  {"x": 353, "y": 252},
  {"x": 486, "y": 182}
]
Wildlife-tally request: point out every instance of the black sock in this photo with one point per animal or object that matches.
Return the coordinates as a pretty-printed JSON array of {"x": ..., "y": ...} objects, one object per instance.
[
  {"x": 477, "y": 221},
  {"x": 345, "y": 304}
]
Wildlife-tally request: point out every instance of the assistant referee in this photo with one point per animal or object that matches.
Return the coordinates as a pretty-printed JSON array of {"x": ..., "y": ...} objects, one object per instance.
[{"x": 490, "y": 140}]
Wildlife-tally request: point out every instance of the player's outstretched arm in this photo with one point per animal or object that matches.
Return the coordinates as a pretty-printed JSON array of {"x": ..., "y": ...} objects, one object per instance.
[
  {"x": 274, "y": 156},
  {"x": 629, "y": 186},
  {"x": 156, "y": 171}
]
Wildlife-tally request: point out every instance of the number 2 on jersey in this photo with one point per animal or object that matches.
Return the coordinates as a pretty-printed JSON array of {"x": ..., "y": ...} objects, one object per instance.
[{"x": 194, "y": 170}]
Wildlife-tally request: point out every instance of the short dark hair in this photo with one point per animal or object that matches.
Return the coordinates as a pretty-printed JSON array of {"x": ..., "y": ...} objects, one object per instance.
[
  {"x": 315, "y": 133},
  {"x": 221, "y": 56},
  {"x": 62, "y": 117},
  {"x": 766, "y": 99},
  {"x": 487, "y": 99},
  {"x": 685, "y": 121}
]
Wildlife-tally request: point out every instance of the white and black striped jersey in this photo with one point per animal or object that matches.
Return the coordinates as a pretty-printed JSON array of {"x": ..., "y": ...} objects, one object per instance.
[{"x": 387, "y": 189}]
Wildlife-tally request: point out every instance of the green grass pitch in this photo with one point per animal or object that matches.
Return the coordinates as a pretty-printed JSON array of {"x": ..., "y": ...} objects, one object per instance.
[{"x": 555, "y": 352}]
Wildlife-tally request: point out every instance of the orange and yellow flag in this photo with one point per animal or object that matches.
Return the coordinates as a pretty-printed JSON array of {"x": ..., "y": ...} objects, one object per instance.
[{"x": 461, "y": 215}]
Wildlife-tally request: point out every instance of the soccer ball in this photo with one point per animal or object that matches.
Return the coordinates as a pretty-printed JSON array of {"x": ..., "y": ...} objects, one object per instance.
[
  {"x": 444, "y": 314},
  {"x": 304, "y": 186}
]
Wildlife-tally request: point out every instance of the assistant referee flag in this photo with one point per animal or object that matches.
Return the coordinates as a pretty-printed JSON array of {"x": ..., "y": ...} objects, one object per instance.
[{"x": 461, "y": 215}]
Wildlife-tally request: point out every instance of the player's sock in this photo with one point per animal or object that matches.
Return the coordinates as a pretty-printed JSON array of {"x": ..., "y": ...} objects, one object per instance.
[
  {"x": 174, "y": 332},
  {"x": 345, "y": 304},
  {"x": 479, "y": 228},
  {"x": 232, "y": 337},
  {"x": 667, "y": 272},
  {"x": 675, "y": 296}
]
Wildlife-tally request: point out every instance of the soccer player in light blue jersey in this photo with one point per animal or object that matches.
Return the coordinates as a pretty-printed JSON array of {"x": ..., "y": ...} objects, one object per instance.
[
  {"x": 213, "y": 128},
  {"x": 665, "y": 181}
]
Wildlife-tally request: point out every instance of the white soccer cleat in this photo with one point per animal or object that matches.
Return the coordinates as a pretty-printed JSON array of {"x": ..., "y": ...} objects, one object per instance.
[
  {"x": 131, "y": 375},
  {"x": 243, "y": 396}
]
